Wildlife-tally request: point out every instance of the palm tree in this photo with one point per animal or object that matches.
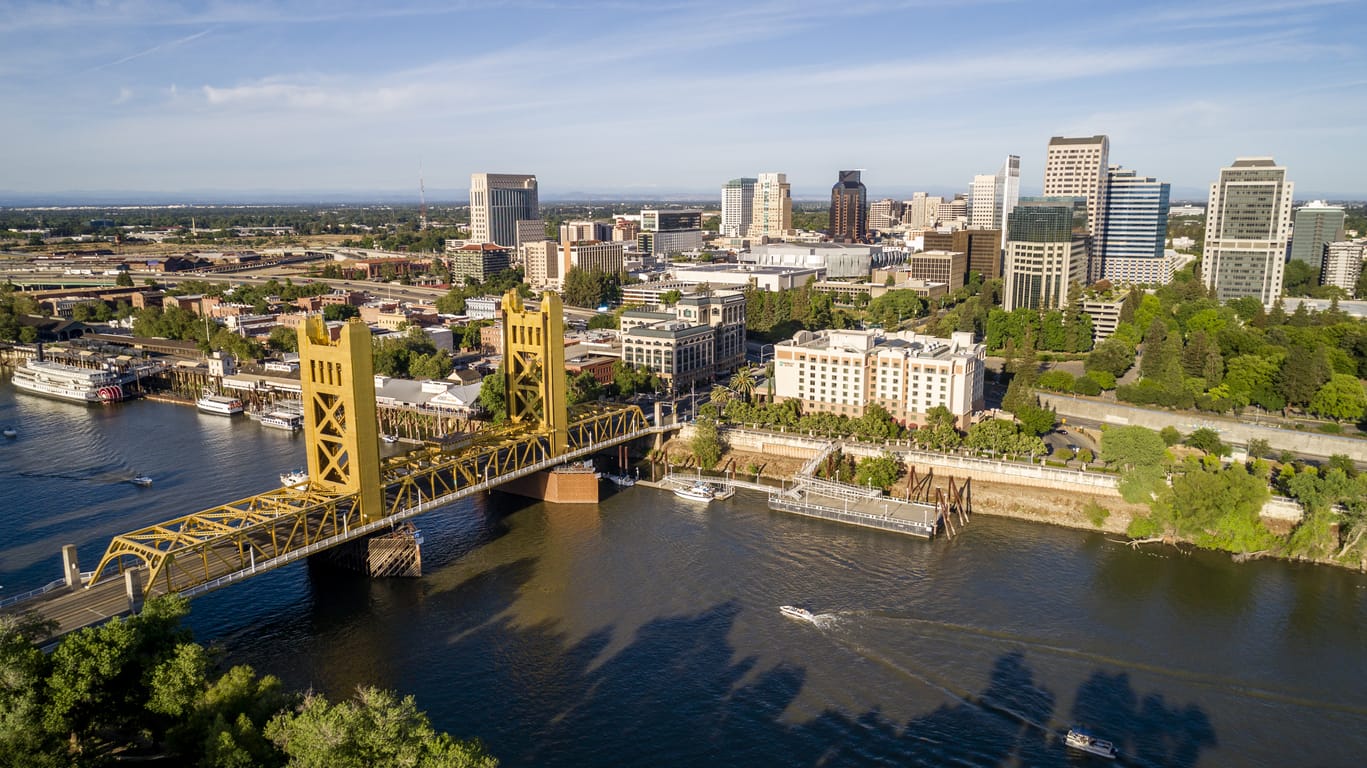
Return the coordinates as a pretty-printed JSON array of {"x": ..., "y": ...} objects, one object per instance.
[{"x": 743, "y": 382}]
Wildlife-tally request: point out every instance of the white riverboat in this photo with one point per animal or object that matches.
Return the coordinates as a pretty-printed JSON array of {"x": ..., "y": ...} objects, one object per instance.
[
  {"x": 290, "y": 422},
  {"x": 141, "y": 480},
  {"x": 295, "y": 478},
  {"x": 696, "y": 492},
  {"x": 221, "y": 405},
  {"x": 68, "y": 382},
  {"x": 794, "y": 612},
  {"x": 1081, "y": 740}
]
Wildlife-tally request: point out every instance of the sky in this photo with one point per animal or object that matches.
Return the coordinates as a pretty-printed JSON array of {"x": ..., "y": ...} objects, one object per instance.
[{"x": 632, "y": 97}]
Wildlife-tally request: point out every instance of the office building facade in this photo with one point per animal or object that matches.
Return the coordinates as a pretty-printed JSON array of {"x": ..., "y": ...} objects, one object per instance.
[
  {"x": 1135, "y": 230},
  {"x": 1315, "y": 225},
  {"x": 982, "y": 201},
  {"x": 498, "y": 201},
  {"x": 702, "y": 336},
  {"x": 1046, "y": 253},
  {"x": 772, "y": 208},
  {"x": 737, "y": 207},
  {"x": 1342, "y": 265},
  {"x": 1248, "y": 223},
  {"x": 849, "y": 218},
  {"x": 884, "y": 214},
  {"x": 1076, "y": 167}
]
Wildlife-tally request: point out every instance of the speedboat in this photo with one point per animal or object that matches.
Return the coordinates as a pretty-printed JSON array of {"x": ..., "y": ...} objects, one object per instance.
[
  {"x": 142, "y": 480},
  {"x": 295, "y": 478},
  {"x": 794, "y": 612},
  {"x": 696, "y": 492},
  {"x": 390, "y": 438},
  {"x": 10, "y": 432},
  {"x": 1081, "y": 740}
]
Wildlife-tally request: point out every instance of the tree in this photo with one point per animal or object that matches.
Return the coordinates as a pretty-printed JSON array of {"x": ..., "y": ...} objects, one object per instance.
[
  {"x": 583, "y": 388},
  {"x": 1302, "y": 373},
  {"x": 743, "y": 383},
  {"x": 1341, "y": 399},
  {"x": 707, "y": 445},
  {"x": 1207, "y": 441},
  {"x": 1258, "y": 448},
  {"x": 124, "y": 280},
  {"x": 493, "y": 395},
  {"x": 1036, "y": 420},
  {"x": 1170, "y": 435},
  {"x": 670, "y": 298},
  {"x": 334, "y": 312},
  {"x": 284, "y": 339},
  {"x": 878, "y": 471},
  {"x": 373, "y": 728}
]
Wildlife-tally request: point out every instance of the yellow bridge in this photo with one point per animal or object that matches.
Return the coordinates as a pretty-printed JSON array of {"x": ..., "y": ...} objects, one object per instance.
[{"x": 352, "y": 494}]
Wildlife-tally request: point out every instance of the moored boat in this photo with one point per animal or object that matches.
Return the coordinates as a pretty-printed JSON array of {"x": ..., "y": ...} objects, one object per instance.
[
  {"x": 69, "y": 382},
  {"x": 222, "y": 405},
  {"x": 1086, "y": 742},
  {"x": 696, "y": 492},
  {"x": 295, "y": 478},
  {"x": 290, "y": 422},
  {"x": 794, "y": 612},
  {"x": 390, "y": 438}
]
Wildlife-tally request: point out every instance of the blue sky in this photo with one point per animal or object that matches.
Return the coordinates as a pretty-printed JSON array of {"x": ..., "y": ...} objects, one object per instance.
[{"x": 638, "y": 97}]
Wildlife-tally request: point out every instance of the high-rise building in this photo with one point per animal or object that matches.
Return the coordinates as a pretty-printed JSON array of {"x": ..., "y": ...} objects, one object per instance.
[
  {"x": 480, "y": 261},
  {"x": 1248, "y": 222},
  {"x": 670, "y": 230},
  {"x": 737, "y": 207},
  {"x": 1342, "y": 265},
  {"x": 497, "y": 202},
  {"x": 1008, "y": 190},
  {"x": 1077, "y": 168},
  {"x": 953, "y": 212},
  {"x": 982, "y": 201},
  {"x": 772, "y": 209},
  {"x": 1136, "y": 226},
  {"x": 1046, "y": 253},
  {"x": 1316, "y": 223},
  {"x": 577, "y": 231},
  {"x": 885, "y": 214},
  {"x": 849, "y": 209}
]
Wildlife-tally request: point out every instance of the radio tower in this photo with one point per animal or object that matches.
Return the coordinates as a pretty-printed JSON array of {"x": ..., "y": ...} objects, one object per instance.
[{"x": 422, "y": 198}]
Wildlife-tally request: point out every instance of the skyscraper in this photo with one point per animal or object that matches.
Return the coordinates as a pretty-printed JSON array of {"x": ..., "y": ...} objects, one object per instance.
[
  {"x": 982, "y": 202},
  {"x": 737, "y": 207},
  {"x": 1248, "y": 221},
  {"x": 1342, "y": 265},
  {"x": 1077, "y": 168},
  {"x": 1316, "y": 224},
  {"x": 1046, "y": 253},
  {"x": 885, "y": 214},
  {"x": 849, "y": 209},
  {"x": 1135, "y": 229},
  {"x": 772, "y": 207},
  {"x": 1008, "y": 190},
  {"x": 498, "y": 201}
]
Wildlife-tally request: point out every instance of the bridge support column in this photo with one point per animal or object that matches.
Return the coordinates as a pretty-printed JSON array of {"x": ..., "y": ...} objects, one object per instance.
[
  {"x": 71, "y": 567},
  {"x": 568, "y": 486},
  {"x": 132, "y": 587}
]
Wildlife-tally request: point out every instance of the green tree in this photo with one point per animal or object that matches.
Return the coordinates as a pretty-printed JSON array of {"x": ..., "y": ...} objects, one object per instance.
[
  {"x": 1207, "y": 441},
  {"x": 1341, "y": 399},
  {"x": 1170, "y": 435},
  {"x": 706, "y": 445},
  {"x": 878, "y": 471},
  {"x": 583, "y": 388},
  {"x": 670, "y": 298},
  {"x": 373, "y": 728},
  {"x": 124, "y": 280},
  {"x": 493, "y": 395},
  {"x": 284, "y": 339},
  {"x": 334, "y": 312},
  {"x": 1302, "y": 374}
]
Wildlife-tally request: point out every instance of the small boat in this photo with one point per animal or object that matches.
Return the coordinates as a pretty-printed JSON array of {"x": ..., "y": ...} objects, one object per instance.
[
  {"x": 290, "y": 422},
  {"x": 1086, "y": 742},
  {"x": 10, "y": 432},
  {"x": 696, "y": 492},
  {"x": 622, "y": 481},
  {"x": 295, "y": 478},
  {"x": 390, "y": 438},
  {"x": 794, "y": 612},
  {"x": 142, "y": 480}
]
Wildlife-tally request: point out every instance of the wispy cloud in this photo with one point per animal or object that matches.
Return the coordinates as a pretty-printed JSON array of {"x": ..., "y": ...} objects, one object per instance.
[{"x": 149, "y": 51}]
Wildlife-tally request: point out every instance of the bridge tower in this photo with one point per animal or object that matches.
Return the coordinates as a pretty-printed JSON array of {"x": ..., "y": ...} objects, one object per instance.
[
  {"x": 534, "y": 366},
  {"x": 340, "y": 426}
]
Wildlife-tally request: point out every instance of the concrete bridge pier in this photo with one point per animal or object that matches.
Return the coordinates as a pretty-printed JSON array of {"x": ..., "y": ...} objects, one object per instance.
[{"x": 71, "y": 567}]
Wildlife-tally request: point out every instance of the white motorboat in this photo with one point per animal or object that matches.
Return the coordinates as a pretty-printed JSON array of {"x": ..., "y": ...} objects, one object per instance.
[
  {"x": 295, "y": 478},
  {"x": 390, "y": 438},
  {"x": 290, "y": 422},
  {"x": 794, "y": 612},
  {"x": 10, "y": 432},
  {"x": 1086, "y": 742},
  {"x": 140, "y": 479},
  {"x": 696, "y": 492}
]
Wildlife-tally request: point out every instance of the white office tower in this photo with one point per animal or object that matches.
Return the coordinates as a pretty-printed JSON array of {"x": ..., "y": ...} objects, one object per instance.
[
  {"x": 498, "y": 201},
  {"x": 772, "y": 209},
  {"x": 885, "y": 214},
  {"x": 1342, "y": 265},
  {"x": 1248, "y": 222},
  {"x": 737, "y": 207},
  {"x": 1046, "y": 253},
  {"x": 1008, "y": 190},
  {"x": 982, "y": 202},
  {"x": 1077, "y": 168}
]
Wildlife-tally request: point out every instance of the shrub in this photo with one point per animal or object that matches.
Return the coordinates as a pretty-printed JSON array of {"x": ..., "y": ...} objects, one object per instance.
[
  {"x": 1096, "y": 514},
  {"x": 1086, "y": 385},
  {"x": 1104, "y": 379}
]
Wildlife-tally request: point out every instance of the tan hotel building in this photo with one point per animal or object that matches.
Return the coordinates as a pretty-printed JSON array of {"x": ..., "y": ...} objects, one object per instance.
[{"x": 841, "y": 372}]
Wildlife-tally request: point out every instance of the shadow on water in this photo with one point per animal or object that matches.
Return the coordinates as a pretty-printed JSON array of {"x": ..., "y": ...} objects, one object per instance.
[{"x": 677, "y": 694}]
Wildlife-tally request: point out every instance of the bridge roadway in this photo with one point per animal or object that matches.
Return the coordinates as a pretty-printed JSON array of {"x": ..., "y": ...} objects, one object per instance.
[{"x": 224, "y": 545}]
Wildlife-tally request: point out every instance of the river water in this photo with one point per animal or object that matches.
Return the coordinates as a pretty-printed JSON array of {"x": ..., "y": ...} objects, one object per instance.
[{"x": 645, "y": 630}]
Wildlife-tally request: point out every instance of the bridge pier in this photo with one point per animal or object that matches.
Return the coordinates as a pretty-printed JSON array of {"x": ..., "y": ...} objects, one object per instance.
[
  {"x": 71, "y": 567},
  {"x": 562, "y": 485}
]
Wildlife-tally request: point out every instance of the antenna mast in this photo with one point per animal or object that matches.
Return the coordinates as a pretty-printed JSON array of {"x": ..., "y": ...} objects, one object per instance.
[{"x": 422, "y": 198}]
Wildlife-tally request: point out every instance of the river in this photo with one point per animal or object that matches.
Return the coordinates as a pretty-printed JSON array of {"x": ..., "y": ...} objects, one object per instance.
[{"x": 645, "y": 630}]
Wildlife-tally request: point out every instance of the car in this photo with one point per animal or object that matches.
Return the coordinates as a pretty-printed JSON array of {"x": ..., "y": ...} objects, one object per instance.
[{"x": 1072, "y": 448}]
